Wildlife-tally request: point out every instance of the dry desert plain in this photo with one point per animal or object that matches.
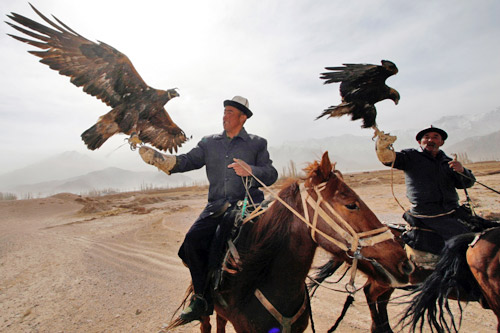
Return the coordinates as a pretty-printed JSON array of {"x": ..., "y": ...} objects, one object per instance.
[{"x": 71, "y": 263}]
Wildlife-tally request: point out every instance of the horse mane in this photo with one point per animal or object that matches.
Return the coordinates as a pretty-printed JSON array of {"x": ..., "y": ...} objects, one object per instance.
[
  {"x": 264, "y": 240},
  {"x": 452, "y": 277},
  {"x": 313, "y": 168}
]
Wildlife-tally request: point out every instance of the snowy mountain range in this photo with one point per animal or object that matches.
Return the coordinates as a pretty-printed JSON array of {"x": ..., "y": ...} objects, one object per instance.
[
  {"x": 80, "y": 174},
  {"x": 475, "y": 135}
]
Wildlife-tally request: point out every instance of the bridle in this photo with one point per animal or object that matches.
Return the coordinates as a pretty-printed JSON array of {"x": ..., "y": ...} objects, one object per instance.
[{"x": 355, "y": 240}]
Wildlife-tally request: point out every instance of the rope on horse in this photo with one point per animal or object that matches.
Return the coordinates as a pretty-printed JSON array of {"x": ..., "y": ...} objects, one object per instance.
[
  {"x": 489, "y": 188},
  {"x": 349, "y": 300}
]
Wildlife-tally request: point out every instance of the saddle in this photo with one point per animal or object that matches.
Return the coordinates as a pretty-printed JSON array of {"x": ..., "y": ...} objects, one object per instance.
[
  {"x": 424, "y": 245},
  {"x": 224, "y": 258},
  {"x": 474, "y": 222},
  {"x": 411, "y": 237}
]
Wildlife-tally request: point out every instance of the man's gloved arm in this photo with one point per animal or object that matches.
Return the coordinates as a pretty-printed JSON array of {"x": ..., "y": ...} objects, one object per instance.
[
  {"x": 384, "y": 149},
  {"x": 163, "y": 162}
]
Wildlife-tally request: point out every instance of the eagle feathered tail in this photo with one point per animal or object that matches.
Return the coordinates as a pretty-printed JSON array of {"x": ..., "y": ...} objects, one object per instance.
[
  {"x": 93, "y": 137},
  {"x": 366, "y": 112},
  {"x": 111, "y": 123},
  {"x": 337, "y": 110}
]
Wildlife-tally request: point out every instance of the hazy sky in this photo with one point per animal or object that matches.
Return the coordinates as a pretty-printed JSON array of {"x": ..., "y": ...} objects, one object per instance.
[{"x": 447, "y": 52}]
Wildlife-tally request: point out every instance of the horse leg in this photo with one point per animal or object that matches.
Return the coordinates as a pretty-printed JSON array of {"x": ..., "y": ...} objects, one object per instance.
[
  {"x": 205, "y": 326},
  {"x": 221, "y": 324},
  {"x": 377, "y": 297},
  {"x": 382, "y": 302},
  {"x": 484, "y": 263}
]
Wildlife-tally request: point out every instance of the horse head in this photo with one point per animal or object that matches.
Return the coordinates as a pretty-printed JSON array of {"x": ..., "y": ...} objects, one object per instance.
[{"x": 342, "y": 224}]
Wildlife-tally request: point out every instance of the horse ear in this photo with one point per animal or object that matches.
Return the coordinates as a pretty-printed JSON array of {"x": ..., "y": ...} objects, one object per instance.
[{"x": 325, "y": 166}]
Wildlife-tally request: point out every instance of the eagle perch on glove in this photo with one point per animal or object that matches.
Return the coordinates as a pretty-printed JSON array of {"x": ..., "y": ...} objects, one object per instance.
[
  {"x": 362, "y": 85},
  {"x": 104, "y": 72}
]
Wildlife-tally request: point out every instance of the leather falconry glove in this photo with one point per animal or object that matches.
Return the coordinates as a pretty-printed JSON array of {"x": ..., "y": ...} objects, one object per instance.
[
  {"x": 384, "y": 149},
  {"x": 163, "y": 162}
]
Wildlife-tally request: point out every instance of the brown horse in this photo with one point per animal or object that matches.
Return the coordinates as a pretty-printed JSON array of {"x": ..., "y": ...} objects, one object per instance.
[
  {"x": 482, "y": 259},
  {"x": 377, "y": 291},
  {"x": 267, "y": 292},
  {"x": 469, "y": 268}
]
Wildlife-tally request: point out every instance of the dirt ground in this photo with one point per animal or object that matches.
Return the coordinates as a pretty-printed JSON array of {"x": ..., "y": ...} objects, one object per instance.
[{"x": 109, "y": 264}]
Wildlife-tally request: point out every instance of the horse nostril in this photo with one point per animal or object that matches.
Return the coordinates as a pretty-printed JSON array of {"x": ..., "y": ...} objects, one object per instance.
[{"x": 406, "y": 267}]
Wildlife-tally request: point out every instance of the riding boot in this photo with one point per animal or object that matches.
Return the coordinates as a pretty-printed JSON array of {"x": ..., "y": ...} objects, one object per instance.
[{"x": 197, "y": 308}]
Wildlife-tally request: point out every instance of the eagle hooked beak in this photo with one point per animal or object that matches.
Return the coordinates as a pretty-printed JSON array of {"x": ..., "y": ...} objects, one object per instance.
[
  {"x": 171, "y": 93},
  {"x": 394, "y": 96}
]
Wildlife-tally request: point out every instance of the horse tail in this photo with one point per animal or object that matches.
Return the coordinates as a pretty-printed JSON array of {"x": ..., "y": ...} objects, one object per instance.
[
  {"x": 451, "y": 278},
  {"x": 322, "y": 273}
]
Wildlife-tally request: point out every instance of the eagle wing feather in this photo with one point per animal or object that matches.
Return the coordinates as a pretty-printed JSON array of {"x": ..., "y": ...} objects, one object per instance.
[
  {"x": 106, "y": 73},
  {"x": 101, "y": 70},
  {"x": 166, "y": 134}
]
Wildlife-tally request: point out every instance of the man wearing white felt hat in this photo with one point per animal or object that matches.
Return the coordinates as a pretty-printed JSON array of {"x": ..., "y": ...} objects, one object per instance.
[{"x": 228, "y": 157}]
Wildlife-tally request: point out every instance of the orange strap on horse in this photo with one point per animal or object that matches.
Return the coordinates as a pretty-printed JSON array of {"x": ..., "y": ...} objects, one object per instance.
[{"x": 285, "y": 322}]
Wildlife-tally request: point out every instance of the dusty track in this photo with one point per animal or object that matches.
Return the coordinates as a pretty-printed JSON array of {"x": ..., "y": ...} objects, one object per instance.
[{"x": 109, "y": 264}]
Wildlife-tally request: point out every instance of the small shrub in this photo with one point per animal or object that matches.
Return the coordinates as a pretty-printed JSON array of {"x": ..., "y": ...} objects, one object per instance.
[{"x": 7, "y": 196}]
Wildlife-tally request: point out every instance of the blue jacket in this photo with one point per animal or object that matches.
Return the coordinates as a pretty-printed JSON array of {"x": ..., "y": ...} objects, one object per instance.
[
  {"x": 430, "y": 182},
  {"x": 216, "y": 152}
]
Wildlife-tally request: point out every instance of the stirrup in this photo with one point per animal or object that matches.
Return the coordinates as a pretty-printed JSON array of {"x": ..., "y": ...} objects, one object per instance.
[{"x": 197, "y": 308}]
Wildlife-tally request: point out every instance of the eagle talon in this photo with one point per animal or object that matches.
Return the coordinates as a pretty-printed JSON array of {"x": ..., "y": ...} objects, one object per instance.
[
  {"x": 134, "y": 141},
  {"x": 377, "y": 132}
]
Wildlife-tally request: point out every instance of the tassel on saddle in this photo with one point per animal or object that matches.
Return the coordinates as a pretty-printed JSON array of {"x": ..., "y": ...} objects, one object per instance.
[{"x": 238, "y": 217}]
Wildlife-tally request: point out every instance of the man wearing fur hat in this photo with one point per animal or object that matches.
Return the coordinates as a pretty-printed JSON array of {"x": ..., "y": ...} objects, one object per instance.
[
  {"x": 431, "y": 179},
  {"x": 228, "y": 157}
]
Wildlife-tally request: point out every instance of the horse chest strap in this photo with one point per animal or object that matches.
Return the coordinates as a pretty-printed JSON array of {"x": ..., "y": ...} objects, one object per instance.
[{"x": 285, "y": 322}]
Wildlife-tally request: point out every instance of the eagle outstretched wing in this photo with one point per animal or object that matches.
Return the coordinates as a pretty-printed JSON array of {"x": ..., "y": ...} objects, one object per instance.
[
  {"x": 104, "y": 72},
  {"x": 161, "y": 130},
  {"x": 362, "y": 85}
]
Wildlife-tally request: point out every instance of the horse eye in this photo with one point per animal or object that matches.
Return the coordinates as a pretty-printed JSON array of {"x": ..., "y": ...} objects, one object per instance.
[{"x": 352, "y": 206}]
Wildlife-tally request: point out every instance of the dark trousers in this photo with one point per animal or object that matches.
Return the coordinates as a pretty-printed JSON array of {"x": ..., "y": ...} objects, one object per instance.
[
  {"x": 443, "y": 228},
  {"x": 195, "y": 250},
  {"x": 447, "y": 226}
]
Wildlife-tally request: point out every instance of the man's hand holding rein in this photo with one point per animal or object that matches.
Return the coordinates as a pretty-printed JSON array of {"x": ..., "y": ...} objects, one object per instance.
[{"x": 241, "y": 168}]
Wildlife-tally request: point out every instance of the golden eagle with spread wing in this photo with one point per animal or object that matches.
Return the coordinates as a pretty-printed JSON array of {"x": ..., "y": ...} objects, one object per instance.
[
  {"x": 104, "y": 72},
  {"x": 362, "y": 85}
]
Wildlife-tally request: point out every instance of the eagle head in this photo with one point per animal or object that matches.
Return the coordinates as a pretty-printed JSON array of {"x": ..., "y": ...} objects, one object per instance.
[
  {"x": 394, "y": 95},
  {"x": 166, "y": 95},
  {"x": 171, "y": 93}
]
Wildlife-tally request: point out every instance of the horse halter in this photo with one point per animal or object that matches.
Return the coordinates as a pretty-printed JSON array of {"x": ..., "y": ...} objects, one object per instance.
[{"x": 355, "y": 240}]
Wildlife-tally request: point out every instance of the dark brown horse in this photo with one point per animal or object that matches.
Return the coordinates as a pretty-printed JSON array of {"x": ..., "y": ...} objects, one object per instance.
[
  {"x": 482, "y": 259},
  {"x": 377, "y": 291},
  {"x": 268, "y": 290},
  {"x": 469, "y": 268}
]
